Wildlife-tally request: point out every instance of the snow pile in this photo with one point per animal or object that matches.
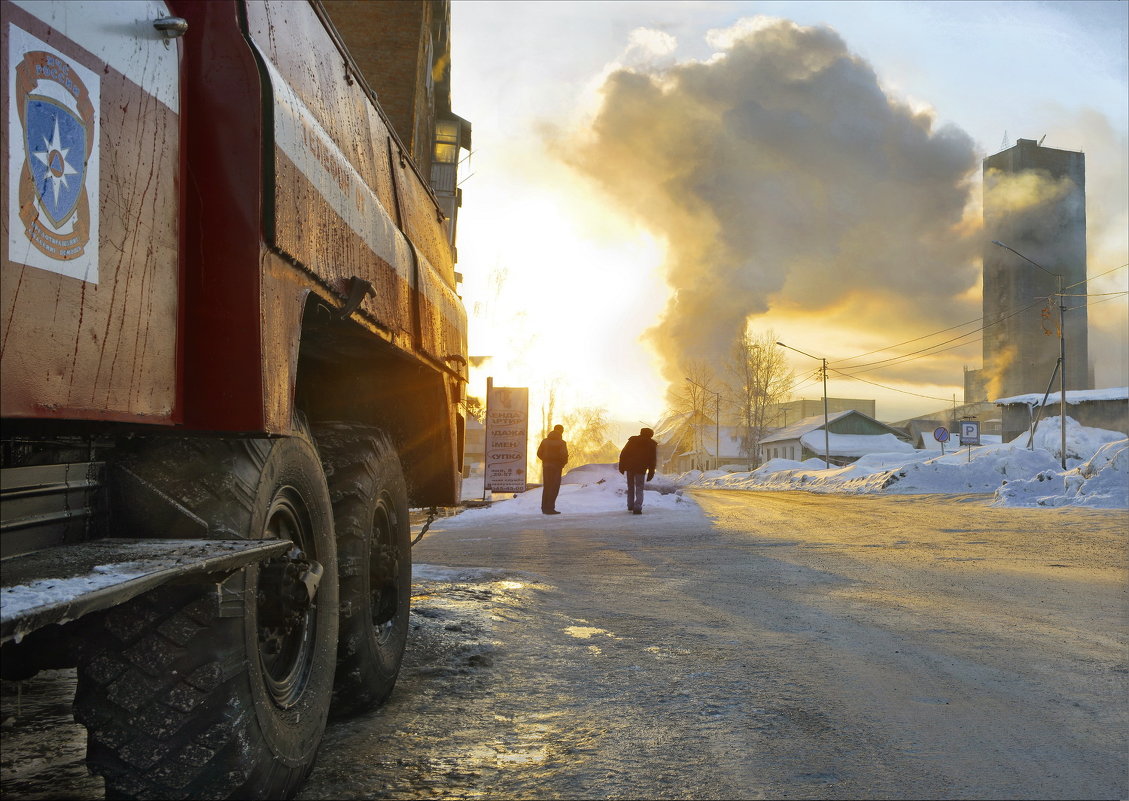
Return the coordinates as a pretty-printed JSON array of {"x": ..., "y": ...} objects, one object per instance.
[
  {"x": 589, "y": 489},
  {"x": 1097, "y": 474},
  {"x": 1081, "y": 442},
  {"x": 1100, "y": 481}
]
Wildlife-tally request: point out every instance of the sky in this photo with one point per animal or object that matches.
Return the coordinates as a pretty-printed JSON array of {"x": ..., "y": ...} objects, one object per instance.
[{"x": 649, "y": 178}]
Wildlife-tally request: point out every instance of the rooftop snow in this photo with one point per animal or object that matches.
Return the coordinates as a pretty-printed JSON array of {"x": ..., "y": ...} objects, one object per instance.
[{"x": 1072, "y": 397}]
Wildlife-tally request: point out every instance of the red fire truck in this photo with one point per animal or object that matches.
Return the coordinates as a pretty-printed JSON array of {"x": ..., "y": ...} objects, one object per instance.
[{"x": 232, "y": 356}]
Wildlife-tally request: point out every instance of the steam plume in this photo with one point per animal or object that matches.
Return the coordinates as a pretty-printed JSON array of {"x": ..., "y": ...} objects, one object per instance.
[{"x": 781, "y": 174}]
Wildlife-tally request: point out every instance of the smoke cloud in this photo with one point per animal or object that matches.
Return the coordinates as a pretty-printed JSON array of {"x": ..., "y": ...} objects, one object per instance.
[{"x": 781, "y": 175}]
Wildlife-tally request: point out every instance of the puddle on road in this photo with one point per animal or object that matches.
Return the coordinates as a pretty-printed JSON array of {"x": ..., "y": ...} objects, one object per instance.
[{"x": 586, "y": 632}]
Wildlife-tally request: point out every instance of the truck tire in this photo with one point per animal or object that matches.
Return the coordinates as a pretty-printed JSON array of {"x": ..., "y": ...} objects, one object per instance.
[
  {"x": 186, "y": 698},
  {"x": 370, "y": 511}
]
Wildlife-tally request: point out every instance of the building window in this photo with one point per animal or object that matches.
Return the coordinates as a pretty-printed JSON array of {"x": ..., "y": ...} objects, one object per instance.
[{"x": 446, "y": 142}]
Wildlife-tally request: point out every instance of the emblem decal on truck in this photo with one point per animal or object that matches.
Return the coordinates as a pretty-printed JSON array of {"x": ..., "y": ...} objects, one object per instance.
[{"x": 52, "y": 111}]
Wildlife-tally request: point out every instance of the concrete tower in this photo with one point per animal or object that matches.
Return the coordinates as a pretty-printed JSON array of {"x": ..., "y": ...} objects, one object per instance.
[{"x": 1034, "y": 202}]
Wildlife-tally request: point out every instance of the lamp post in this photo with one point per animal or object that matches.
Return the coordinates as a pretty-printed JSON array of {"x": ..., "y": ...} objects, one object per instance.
[
  {"x": 826, "y": 435},
  {"x": 716, "y": 420},
  {"x": 1061, "y": 349}
]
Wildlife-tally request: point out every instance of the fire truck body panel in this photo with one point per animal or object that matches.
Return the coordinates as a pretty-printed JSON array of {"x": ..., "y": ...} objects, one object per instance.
[
  {"x": 284, "y": 197},
  {"x": 248, "y": 249},
  {"x": 91, "y": 281}
]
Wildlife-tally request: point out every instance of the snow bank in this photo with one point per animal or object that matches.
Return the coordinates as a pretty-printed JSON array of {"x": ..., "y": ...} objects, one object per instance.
[
  {"x": 1081, "y": 442},
  {"x": 588, "y": 489},
  {"x": 1097, "y": 474},
  {"x": 1100, "y": 481}
]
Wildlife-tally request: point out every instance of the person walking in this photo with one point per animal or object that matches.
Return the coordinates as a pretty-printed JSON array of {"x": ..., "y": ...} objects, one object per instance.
[
  {"x": 553, "y": 453},
  {"x": 637, "y": 460}
]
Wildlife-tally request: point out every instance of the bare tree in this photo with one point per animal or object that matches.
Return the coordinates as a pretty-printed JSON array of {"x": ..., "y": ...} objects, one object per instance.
[
  {"x": 758, "y": 379},
  {"x": 693, "y": 408},
  {"x": 549, "y": 407},
  {"x": 475, "y": 408},
  {"x": 586, "y": 429}
]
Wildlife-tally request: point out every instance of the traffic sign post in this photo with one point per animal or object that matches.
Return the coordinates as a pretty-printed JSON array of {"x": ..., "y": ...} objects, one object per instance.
[
  {"x": 941, "y": 434},
  {"x": 970, "y": 434}
]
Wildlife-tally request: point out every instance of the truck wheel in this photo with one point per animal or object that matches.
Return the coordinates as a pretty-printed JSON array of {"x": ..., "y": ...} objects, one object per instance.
[
  {"x": 187, "y": 697},
  {"x": 370, "y": 511}
]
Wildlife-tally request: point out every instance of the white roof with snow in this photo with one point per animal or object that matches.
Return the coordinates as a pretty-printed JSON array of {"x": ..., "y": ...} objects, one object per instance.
[
  {"x": 801, "y": 427},
  {"x": 854, "y": 444},
  {"x": 1072, "y": 397}
]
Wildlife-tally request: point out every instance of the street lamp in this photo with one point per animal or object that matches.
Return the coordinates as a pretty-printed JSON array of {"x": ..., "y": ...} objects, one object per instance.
[
  {"x": 1061, "y": 349},
  {"x": 826, "y": 435},
  {"x": 716, "y": 421}
]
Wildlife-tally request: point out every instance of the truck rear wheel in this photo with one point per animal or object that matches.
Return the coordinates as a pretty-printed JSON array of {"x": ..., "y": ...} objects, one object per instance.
[
  {"x": 185, "y": 697},
  {"x": 370, "y": 509}
]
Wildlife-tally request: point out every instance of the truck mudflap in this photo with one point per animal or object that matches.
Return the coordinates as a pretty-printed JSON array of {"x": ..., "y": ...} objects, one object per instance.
[{"x": 61, "y": 584}]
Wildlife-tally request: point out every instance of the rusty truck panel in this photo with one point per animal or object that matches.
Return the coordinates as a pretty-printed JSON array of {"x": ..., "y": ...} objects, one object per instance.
[
  {"x": 90, "y": 266},
  {"x": 333, "y": 198}
]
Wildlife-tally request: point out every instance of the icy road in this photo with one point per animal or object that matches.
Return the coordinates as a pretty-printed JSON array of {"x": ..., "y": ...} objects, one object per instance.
[
  {"x": 780, "y": 645},
  {"x": 766, "y": 645}
]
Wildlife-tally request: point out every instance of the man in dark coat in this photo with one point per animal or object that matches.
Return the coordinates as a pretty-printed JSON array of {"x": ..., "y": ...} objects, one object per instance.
[
  {"x": 637, "y": 459},
  {"x": 553, "y": 453}
]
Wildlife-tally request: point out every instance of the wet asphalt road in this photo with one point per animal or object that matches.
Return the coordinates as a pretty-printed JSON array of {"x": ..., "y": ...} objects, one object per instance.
[
  {"x": 773, "y": 645},
  {"x": 782, "y": 645}
]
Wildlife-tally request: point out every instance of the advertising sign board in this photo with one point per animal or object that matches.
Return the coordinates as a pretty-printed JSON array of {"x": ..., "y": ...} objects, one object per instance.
[{"x": 507, "y": 425}]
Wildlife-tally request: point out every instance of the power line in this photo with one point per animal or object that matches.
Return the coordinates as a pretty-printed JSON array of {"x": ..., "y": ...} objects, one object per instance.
[
  {"x": 908, "y": 341},
  {"x": 954, "y": 327},
  {"x": 892, "y": 389},
  {"x": 1099, "y": 275},
  {"x": 907, "y": 356}
]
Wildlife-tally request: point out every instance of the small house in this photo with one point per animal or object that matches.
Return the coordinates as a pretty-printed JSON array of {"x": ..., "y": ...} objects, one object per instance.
[{"x": 849, "y": 435}]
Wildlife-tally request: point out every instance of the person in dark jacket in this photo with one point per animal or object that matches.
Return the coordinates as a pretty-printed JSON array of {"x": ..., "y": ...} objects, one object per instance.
[
  {"x": 636, "y": 460},
  {"x": 553, "y": 453}
]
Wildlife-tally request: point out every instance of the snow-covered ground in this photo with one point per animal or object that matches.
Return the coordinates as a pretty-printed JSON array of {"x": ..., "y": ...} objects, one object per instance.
[
  {"x": 588, "y": 489},
  {"x": 1097, "y": 476},
  {"x": 1097, "y": 473}
]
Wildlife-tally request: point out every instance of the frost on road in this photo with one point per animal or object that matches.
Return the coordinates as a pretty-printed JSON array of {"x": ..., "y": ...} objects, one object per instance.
[{"x": 766, "y": 645}]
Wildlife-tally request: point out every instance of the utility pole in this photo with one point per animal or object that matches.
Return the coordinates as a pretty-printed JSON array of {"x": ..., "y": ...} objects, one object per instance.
[{"x": 826, "y": 417}]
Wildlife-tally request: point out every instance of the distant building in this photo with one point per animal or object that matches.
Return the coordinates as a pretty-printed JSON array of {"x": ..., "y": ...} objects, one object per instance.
[
  {"x": 920, "y": 429},
  {"x": 692, "y": 441},
  {"x": 1035, "y": 203},
  {"x": 1095, "y": 408},
  {"x": 474, "y": 448},
  {"x": 403, "y": 50},
  {"x": 781, "y": 414},
  {"x": 850, "y": 435}
]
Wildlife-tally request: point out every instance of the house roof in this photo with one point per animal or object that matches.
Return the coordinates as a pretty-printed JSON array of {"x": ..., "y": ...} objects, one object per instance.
[
  {"x": 815, "y": 423},
  {"x": 729, "y": 437},
  {"x": 801, "y": 427},
  {"x": 1073, "y": 397},
  {"x": 854, "y": 444}
]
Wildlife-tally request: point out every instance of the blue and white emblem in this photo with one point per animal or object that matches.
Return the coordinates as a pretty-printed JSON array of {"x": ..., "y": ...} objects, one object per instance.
[
  {"x": 53, "y": 209},
  {"x": 56, "y": 142}
]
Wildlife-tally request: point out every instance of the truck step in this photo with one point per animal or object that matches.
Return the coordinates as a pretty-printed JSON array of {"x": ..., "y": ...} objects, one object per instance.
[{"x": 61, "y": 584}]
